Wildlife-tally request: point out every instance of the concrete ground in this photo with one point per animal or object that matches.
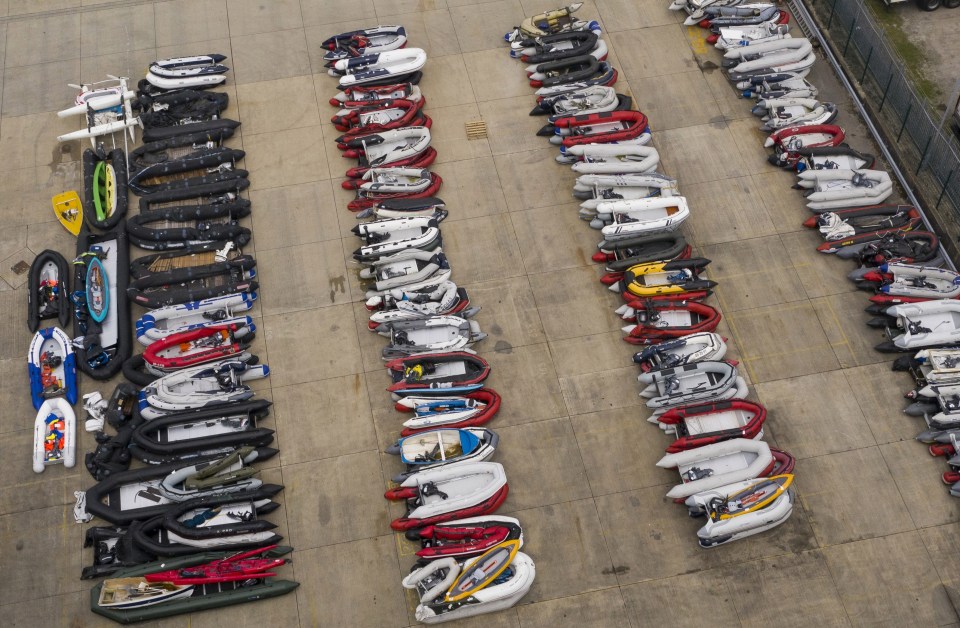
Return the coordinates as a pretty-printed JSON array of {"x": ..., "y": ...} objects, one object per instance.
[{"x": 875, "y": 535}]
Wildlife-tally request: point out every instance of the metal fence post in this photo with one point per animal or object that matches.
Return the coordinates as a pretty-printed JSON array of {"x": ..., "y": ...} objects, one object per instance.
[
  {"x": 833, "y": 9},
  {"x": 923, "y": 157},
  {"x": 944, "y": 188},
  {"x": 886, "y": 91},
  {"x": 866, "y": 65},
  {"x": 853, "y": 25},
  {"x": 904, "y": 125}
]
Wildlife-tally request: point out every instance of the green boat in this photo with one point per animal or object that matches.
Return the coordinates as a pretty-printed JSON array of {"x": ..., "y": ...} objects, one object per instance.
[{"x": 203, "y": 597}]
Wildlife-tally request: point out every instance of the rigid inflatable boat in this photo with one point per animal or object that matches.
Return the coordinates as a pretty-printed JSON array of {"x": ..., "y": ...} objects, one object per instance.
[
  {"x": 550, "y": 22},
  {"x": 713, "y": 466},
  {"x": 778, "y": 113},
  {"x": 786, "y": 142},
  {"x": 705, "y": 424},
  {"x": 912, "y": 283},
  {"x": 407, "y": 147},
  {"x": 559, "y": 46},
  {"x": 101, "y": 346},
  {"x": 448, "y": 590},
  {"x": 611, "y": 159},
  {"x": 398, "y": 304},
  {"x": 455, "y": 373},
  {"x": 362, "y": 42},
  {"x": 138, "y": 494},
  {"x": 847, "y": 227},
  {"x": 432, "y": 411},
  {"x": 129, "y": 584},
  {"x": 434, "y": 449},
  {"x": 382, "y": 115},
  {"x": 54, "y": 434},
  {"x": 646, "y": 216},
  {"x": 194, "y": 434},
  {"x": 193, "y": 225},
  {"x": 677, "y": 277},
  {"x": 363, "y": 95},
  {"x": 680, "y": 351},
  {"x": 393, "y": 235},
  {"x": 839, "y": 189},
  {"x": 691, "y": 383},
  {"x": 104, "y": 188},
  {"x": 599, "y": 128},
  {"x": 833, "y": 158},
  {"x": 742, "y": 509},
  {"x": 198, "y": 346},
  {"x": 923, "y": 324},
  {"x": 435, "y": 334},
  {"x": 52, "y": 367},
  {"x": 465, "y": 537},
  {"x": 200, "y": 387},
  {"x": 48, "y": 289},
  {"x": 619, "y": 255},
  {"x": 660, "y": 320},
  {"x": 393, "y": 64},
  {"x": 466, "y": 490},
  {"x": 171, "y": 319}
]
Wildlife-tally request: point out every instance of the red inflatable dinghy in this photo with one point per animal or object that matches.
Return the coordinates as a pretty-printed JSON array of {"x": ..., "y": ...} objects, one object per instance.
[
  {"x": 659, "y": 320},
  {"x": 602, "y": 128},
  {"x": 695, "y": 424}
]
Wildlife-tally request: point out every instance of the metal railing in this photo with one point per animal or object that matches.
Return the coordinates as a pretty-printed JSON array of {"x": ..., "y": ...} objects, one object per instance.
[{"x": 929, "y": 154}]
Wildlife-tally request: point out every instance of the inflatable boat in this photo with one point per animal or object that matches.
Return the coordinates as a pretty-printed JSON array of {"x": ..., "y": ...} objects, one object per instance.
[
  {"x": 563, "y": 71},
  {"x": 54, "y": 434},
  {"x": 465, "y": 537},
  {"x": 907, "y": 283},
  {"x": 705, "y": 424},
  {"x": 380, "y": 115},
  {"x": 594, "y": 189},
  {"x": 391, "y": 235},
  {"x": 691, "y": 383},
  {"x": 97, "y": 98},
  {"x": 466, "y": 490},
  {"x": 713, "y": 466},
  {"x": 198, "y": 346},
  {"x": 413, "y": 205},
  {"x": 605, "y": 75},
  {"x": 232, "y": 521},
  {"x": 52, "y": 367},
  {"x": 697, "y": 8},
  {"x": 559, "y": 46},
  {"x": 619, "y": 255},
  {"x": 930, "y": 366},
  {"x": 924, "y": 324},
  {"x": 363, "y": 42},
  {"x": 454, "y": 412},
  {"x": 910, "y": 247},
  {"x": 611, "y": 159},
  {"x": 599, "y": 128},
  {"x": 748, "y": 34},
  {"x": 455, "y": 373},
  {"x": 782, "y": 55},
  {"x": 223, "y": 275},
  {"x": 435, "y": 449},
  {"x": 194, "y": 225},
  {"x": 676, "y": 277},
  {"x": 200, "y": 81},
  {"x": 101, "y": 346},
  {"x": 786, "y": 142},
  {"x": 550, "y": 22},
  {"x": 448, "y": 590},
  {"x": 595, "y": 99},
  {"x": 408, "y": 147},
  {"x": 130, "y": 584},
  {"x": 181, "y": 113},
  {"x": 839, "y": 189},
  {"x": 660, "y": 320},
  {"x": 171, "y": 319},
  {"x": 778, "y": 113},
  {"x": 48, "y": 289},
  {"x": 399, "y": 305},
  {"x": 856, "y": 226},
  {"x": 742, "y": 509},
  {"x": 193, "y": 434},
  {"x": 200, "y": 387},
  {"x": 681, "y": 351},
  {"x": 417, "y": 271},
  {"x": 754, "y": 14},
  {"x": 104, "y": 188},
  {"x": 363, "y": 95},
  {"x": 394, "y": 65},
  {"x": 200, "y": 166},
  {"x": 180, "y": 67},
  {"x": 440, "y": 334},
  {"x": 140, "y": 494},
  {"x": 647, "y": 216},
  {"x": 834, "y": 158}
]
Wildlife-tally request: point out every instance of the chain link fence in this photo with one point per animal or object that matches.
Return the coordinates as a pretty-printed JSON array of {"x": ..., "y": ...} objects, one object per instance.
[{"x": 928, "y": 153}]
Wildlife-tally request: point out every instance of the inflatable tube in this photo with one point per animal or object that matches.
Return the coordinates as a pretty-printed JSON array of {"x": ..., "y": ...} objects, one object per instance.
[
  {"x": 104, "y": 188},
  {"x": 104, "y": 347},
  {"x": 48, "y": 289}
]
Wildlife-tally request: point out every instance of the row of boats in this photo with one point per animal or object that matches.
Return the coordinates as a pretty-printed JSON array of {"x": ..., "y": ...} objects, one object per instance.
[
  {"x": 728, "y": 474},
  {"x": 188, "y": 527},
  {"x": 915, "y": 299},
  {"x": 468, "y": 558}
]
